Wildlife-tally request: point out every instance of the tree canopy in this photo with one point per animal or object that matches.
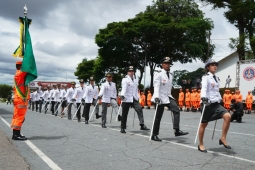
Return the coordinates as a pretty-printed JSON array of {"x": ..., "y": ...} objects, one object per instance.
[
  {"x": 5, "y": 90},
  {"x": 174, "y": 28},
  {"x": 241, "y": 14}
]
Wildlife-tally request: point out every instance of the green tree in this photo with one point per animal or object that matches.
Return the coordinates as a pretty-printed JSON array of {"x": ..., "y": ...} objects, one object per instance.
[
  {"x": 84, "y": 70},
  {"x": 177, "y": 74},
  {"x": 174, "y": 28},
  {"x": 5, "y": 90},
  {"x": 240, "y": 13},
  {"x": 192, "y": 76}
]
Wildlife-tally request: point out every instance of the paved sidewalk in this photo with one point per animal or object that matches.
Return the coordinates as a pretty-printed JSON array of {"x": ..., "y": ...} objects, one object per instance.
[{"x": 9, "y": 157}]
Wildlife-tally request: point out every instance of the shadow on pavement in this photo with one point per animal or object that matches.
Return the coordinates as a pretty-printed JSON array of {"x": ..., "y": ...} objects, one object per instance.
[
  {"x": 178, "y": 140},
  {"x": 143, "y": 132},
  {"x": 45, "y": 137},
  {"x": 222, "y": 150}
]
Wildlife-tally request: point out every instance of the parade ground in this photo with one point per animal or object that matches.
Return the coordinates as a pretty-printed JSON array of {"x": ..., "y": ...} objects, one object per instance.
[{"x": 59, "y": 143}]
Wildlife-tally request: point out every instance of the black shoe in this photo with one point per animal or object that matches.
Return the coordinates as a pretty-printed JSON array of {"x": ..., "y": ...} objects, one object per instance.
[
  {"x": 86, "y": 122},
  {"x": 205, "y": 151},
  {"x": 226, "y": 146},
  {"x": 180, "y": 109},
  {"x": 18, "y": 137},
  {"x": 180, "y": 133},
  {"x": 69, "y": 118},
  {"x": 119, "y": 117},
  {"x": 148, "y": 107},
  {"x": 45, "y": 111},
  {"x": 239, "y": 120},
  {"x": 155, "y": 138},
  {"x": 83, "y": 115},
  {"x": 98, "y": 116},
  {"x": 52, "y": 113},
  {"x": 143, "y": 127},
  {"x": 56, "y": 114},
  {"x": 79, "y": 120},
  {"x": 103, "y": 126},
  {"x": 122, "y": 130}
]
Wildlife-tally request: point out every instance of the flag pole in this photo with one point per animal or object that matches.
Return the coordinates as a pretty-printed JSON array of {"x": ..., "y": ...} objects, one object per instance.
[{"x": 24, "y": 34}]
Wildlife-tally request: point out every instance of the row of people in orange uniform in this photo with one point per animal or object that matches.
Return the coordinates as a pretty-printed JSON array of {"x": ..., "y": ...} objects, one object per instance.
[{"x": 192, "y": 99}]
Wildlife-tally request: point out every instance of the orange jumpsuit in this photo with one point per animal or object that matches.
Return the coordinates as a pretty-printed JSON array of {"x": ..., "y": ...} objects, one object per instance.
[
  {"x": 194, "y": 100},
  {"x": 187, "y": 100},
  {"x": 181, "y": 99},
  {"x": 249, "y": 100},
  {"x": 227, "y": 101},
  {"x": 142, "y": 100},
  {"x": 239, "y": 97},
  {"x": 149, "y": 99},
  {"x": 198, "y": 99},
  {"x": 224, "y": 98},
  {"x": 21, "y": 97}
]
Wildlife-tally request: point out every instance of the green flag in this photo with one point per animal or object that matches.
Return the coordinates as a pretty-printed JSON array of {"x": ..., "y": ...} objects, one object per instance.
[{"x": 28, "y": 63}]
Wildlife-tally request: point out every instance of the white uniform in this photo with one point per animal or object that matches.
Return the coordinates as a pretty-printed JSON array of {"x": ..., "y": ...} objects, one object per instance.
[
  {"x": 45, "y": 95},
  {"x": 162, "y": 87},
  {"x": 51, "y": 93},
  {"x": 90, "y": 93},
  {"x": 36, "y": 96},
  {"x": 108, "y": 91},
  {"x": 62, "y": 93},
  {"x": 78, "y": 94},
  {"x": 56, "y": 95},
  {"x": 210, "y": 88},
  {"x": 129, "y": 89},
  {"x": 69, "y": 94}
]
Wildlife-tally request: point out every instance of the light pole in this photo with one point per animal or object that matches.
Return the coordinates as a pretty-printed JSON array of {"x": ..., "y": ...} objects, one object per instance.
[{"x": 63, "y": 71}]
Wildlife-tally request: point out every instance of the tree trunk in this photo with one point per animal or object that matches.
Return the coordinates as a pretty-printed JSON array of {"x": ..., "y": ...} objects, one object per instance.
[{"x": 152, "y": 68}]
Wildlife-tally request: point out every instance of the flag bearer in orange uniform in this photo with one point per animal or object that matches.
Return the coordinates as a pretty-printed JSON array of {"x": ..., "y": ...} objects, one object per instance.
[
  {"x": 181, "y": 99},
  {"x": 198, "y": 99},
  {"x": 142, "y": 99},
  {"x": 187, "y": 100},
  {"x": 239, "y": 97},
  {"x": 21, "y": 97},
  {"x": 248, "y": 101},
  {"x": 149, "y": 99}
]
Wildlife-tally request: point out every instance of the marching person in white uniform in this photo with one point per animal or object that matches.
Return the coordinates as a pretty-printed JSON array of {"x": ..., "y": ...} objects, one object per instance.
[
  {"x": 56, "y": 96},
  {"x": 40, "y": 92},
  {"x": 90, "y": 97},
  {"x": 52, "y": 98},
  {"x": 162, "y": 96},
  {"x": 68, "y": 96},
  {"x": 36, "y": 98},
  {"x": 62, "y": 95},
  {"x": 211, "y": 98},
  {"x": 77, "y": 96},
  {"x": 129, "y": 97},
  {"x": 46, "y": 98},
  {"x": 108, "y": 94}
]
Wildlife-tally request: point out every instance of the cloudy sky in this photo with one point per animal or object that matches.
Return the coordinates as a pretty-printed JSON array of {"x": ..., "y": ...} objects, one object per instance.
[{"x": 63, "y": 33}]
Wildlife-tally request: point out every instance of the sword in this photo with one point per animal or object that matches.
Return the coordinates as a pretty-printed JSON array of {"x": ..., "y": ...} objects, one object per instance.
[
  {"x": 58, "y": 107},
  {"x": 76, "y": 111},
  {"x": 153, "y": 122},
  {"x": 214, "y": 129},
  {"x": 200, "y": 123},
  {"x": 93, "y": 110}
]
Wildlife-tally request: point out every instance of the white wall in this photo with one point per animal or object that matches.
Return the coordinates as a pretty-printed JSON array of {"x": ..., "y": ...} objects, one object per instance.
[{"x": 227, "y": 67}]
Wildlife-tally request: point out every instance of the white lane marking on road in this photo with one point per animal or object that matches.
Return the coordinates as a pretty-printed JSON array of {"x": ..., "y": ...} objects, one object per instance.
[{"x": 45, "y": 158}]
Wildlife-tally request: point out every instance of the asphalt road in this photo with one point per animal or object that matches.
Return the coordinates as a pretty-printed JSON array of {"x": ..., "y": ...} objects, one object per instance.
[{"x": 58, "y": 143}]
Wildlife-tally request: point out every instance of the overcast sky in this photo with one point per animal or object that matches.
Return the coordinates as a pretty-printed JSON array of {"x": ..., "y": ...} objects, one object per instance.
[{"x": 63, "y": 33}]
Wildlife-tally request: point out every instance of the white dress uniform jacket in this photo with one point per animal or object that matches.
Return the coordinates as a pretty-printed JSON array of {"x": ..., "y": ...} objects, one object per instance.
[
  {"x": 62, "y": 93},
  {"x": 162, "y": 86},
  {"x": 51, "y": 93},
  {"x": 108, "y": 91},
  {"x": 90, "y": 93},
  {"x": 129, "y": 89},
  {"x": 78, "y": 94},
  {"x": 56, "y": 95},
  {"x": 32, "y": 97},
  {"x": 69, "y": 94},
  {"x": 210, "y": 88},
  {"x": 36, "y": 96},
  {"x": 45, "y": 95}
]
